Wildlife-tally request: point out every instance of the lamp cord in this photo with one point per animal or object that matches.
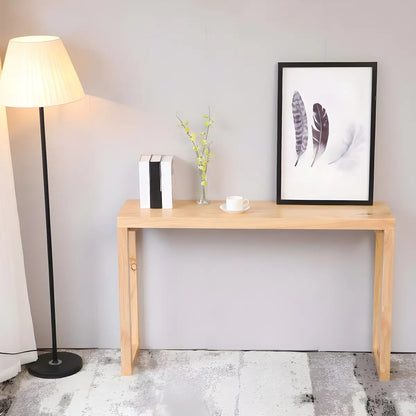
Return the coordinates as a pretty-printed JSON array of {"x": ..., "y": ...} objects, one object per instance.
[
  {"x": 42, "y": 350},
  {"x": 17, "y": 353},
  {"x": 23, "y": 352}
]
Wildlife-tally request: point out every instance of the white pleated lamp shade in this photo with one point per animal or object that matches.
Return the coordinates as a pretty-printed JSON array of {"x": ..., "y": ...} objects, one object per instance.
[{"x": 38, "y": 72}]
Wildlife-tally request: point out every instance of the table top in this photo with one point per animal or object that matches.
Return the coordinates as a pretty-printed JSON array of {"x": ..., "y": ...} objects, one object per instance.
[{"x": 261, "y": 215}]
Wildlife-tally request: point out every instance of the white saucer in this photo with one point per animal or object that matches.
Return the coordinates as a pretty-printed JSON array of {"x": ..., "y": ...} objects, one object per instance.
[{"x": 223, "y": 207}]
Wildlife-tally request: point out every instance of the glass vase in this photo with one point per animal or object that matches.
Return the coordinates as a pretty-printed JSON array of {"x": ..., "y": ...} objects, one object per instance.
[{"x": 203, "y": 198}]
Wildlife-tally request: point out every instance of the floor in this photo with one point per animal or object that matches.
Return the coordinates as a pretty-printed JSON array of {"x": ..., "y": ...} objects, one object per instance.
[{"x": 219, "y": 383}]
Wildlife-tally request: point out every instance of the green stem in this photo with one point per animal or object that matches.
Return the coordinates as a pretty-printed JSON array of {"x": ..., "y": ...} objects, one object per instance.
[{"x": 184, "y": 127}]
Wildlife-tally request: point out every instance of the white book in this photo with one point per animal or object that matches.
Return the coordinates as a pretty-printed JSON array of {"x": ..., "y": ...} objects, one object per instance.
[
  {"x": 144, "y": 181},
  {"x": 166, "y": 181}
]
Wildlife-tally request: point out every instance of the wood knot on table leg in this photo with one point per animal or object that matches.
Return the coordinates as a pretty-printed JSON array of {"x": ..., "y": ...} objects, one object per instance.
[{"x": 133, "y": 267}]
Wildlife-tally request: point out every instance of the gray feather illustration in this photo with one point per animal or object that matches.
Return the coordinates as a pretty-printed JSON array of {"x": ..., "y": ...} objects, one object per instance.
[
  {"x": 301, "y": 124},
  {"x": 350, "y": 149},
  {"x": 345, "y": 145},
  {"x": 320, "y": 132}
]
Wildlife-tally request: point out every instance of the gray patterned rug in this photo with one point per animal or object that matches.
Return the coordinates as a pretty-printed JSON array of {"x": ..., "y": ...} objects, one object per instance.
[{"x": 213, "y": 383}]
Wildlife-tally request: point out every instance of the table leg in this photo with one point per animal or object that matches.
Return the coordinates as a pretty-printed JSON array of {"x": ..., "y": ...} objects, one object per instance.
[
  {"x": 124, "y": 301},
  {"x": 378, "y": 268},
  {"x": 134, "y": 306},
  {"x": 383, "y": 297}
]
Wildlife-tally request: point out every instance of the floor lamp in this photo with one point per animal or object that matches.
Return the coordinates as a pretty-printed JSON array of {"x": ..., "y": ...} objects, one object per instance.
[{"x": 38, "y": 72}]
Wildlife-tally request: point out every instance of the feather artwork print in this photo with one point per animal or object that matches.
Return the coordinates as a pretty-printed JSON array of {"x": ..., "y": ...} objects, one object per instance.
[
  {"x": 301, "y": 124},
  {"x": 320, "y": 132}
]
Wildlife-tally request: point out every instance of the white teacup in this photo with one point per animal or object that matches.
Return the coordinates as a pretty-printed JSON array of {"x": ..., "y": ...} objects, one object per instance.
[{"x": 236, "y": 203}]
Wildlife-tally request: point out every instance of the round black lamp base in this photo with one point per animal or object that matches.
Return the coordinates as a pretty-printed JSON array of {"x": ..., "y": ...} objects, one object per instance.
[{"x": 68, "y": 364}]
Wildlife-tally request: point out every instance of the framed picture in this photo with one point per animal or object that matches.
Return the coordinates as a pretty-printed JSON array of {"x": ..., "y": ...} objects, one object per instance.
[{"x": 326, "y": 131}]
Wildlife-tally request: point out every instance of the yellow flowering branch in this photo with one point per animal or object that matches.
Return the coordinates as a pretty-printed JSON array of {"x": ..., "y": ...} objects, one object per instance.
[{"x": 200, "y": 145}]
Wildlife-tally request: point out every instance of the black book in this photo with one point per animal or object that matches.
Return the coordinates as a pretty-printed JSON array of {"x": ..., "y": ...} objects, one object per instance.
[{"x": 154, "y": 174}]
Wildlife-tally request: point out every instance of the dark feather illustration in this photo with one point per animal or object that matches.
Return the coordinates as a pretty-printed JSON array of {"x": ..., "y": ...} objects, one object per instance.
[
  {"x": 301, "y": 124},
  {"x": 320, "y": 132}
]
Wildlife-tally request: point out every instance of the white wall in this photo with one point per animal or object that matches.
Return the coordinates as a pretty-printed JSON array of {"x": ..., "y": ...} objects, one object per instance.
[{"x": 142, "y": 62}]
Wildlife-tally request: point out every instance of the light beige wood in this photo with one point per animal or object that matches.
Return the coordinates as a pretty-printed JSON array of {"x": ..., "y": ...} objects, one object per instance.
[
  {"x": 124, "y": 302},
  {"x": 134, "y": 307},
  {"x": 377, "y": 362},
  {"x": 133, "y": 361},
  {"x": 262, "y": 215},
  {"x": 378, "y": 268},
  {"x": 386, "y": 304}
]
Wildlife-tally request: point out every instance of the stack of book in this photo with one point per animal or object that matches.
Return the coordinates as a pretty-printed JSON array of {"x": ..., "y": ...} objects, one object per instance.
[{"x": 155, "y": 181}]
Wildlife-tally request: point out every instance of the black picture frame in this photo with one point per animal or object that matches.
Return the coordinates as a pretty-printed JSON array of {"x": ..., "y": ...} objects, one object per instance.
[{"x": 348, "y": 91}]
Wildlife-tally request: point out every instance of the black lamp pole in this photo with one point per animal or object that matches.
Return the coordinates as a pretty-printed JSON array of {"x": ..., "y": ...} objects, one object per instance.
[{"x": 54, "y": 364}]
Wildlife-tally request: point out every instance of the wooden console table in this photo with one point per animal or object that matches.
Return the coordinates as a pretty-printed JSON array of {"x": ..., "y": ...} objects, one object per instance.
[{"x": 262, "y": 215}]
